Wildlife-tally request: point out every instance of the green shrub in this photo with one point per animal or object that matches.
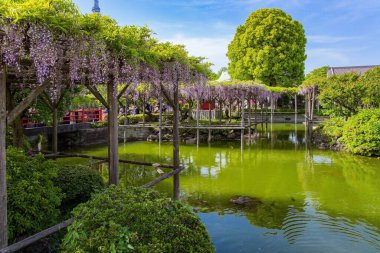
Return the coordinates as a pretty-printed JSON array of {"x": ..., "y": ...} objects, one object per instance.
[
  {"x": 361, "y": 133},
  {"x": 333, "y": 128},
  {"x": 77, "y": 183},
  {"x": 99, "y": 124},
  {"x": 33, "y": 200},
  {"x": 138, "y": 220},
  {"x": 138, "y": 118}
]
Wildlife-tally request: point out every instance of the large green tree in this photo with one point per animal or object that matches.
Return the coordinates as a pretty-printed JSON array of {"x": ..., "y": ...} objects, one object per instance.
[{"x": 270, "y": 48}]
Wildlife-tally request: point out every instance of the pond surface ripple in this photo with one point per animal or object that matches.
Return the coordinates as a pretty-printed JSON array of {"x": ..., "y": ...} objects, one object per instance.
[{"x": 303, "y": 200}]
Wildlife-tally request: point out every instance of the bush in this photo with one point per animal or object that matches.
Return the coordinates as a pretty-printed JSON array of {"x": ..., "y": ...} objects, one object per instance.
[
  {"x": 33, "y": 200},
  {"x": 361, "y": 133},
  {"x": 138, "y": 118},
  {"x": 333, "y": 128},
  {"x": 77, "y": 184},
  {"x": 99, "y": 124},
  {"x": 138, "y": 220}
]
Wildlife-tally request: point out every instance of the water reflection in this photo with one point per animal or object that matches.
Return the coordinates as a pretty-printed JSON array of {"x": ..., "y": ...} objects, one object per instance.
[{"x": 305, "y": 200}]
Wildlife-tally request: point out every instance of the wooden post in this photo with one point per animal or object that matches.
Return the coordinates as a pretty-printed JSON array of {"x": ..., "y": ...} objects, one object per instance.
[
  {"x": 271, "y": 108},
  {"x": 242, "y": 118},
  {"x": 295, "y": 109},
  {"x": 209, "y": 120},
  {"x": 3, "y": 170},
  {"x": 160, "y": 119},
  {"x": 176, "y": 142},
  {"x": 197, "y": 121},
  {"x": 266, "y": 115},
  {"x": 249, "y": 120},
  {"x": 55, "y": 129},
  {"x": 113, "y": 132},
  {"x": 255, "y": 115}
]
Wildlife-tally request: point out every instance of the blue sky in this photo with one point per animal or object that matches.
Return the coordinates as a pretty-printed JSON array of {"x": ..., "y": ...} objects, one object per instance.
[{"x": 339, "y": 32}]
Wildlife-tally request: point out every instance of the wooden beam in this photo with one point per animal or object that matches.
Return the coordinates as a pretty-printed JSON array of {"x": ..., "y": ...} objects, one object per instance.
[
  {"x": 121, "y": 93},
  {"x": 65, "y": 155},
  {"x": 15, "y": 112},
  {"x": 34, "y": 238},
  {"x": 46, "y": 99},
  {"x": 163, "y": 177},
  {"x": 3, "y": 169},
  {"x": 97, "y": 94}
]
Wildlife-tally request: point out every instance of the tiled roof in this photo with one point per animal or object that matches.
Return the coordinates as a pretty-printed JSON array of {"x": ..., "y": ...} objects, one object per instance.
[{"x": 342, "y": 70}]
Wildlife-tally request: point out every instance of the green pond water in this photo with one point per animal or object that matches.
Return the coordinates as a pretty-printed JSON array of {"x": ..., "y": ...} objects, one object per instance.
[{"x": 303, "y": 200}]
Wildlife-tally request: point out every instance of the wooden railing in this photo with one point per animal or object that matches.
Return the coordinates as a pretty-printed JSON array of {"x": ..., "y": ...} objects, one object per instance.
[{"x": 49, "y": 231}]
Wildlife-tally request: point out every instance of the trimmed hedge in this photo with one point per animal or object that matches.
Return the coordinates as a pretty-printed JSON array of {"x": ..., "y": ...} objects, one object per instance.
[
  {"x": 138, "y": 220},
  {"x": 33, "y": 199},
  {"x": 361, "y": 133},
  {"x": 77, "y": 184}
]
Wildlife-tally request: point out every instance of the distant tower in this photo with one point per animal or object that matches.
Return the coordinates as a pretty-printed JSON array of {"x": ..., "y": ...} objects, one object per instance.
[{"x": 96, "y": 6}]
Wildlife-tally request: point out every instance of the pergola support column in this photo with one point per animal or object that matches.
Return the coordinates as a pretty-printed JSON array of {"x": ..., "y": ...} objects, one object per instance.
[
  {"x": 197, "y": 121},
  {"x": 3, "y": 180},
  {"x": 113, "y": 132},
  {"x": 242, "y": 119},
  {"x": 176, "y": 142},
  {"x": 55, "y": 129},
  {"x": 249, "y": 120},
  {"x": 160, "y": 119}
]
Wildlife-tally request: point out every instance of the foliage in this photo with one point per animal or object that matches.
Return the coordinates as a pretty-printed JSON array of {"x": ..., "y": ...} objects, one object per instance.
[
  {"x": 316, "y": 77},
  {"x": 99, "y": 124},
  {"x": 361, "y": 133},
  {"x": 342, "y": 95},
  {"x": 333, "y": 128},
  {"x": 138, "y": 220},
  {"x": 270, "y": 48},
  {"x": 371, "y": 85},
  {"x": 77, "y": 183},
  {"x": 33, "y": 200},
  {"x": 138, "y": 118}
]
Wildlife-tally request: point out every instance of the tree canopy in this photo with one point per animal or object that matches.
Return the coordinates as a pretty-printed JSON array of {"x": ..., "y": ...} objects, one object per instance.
[{"x": 269, "y": 48}]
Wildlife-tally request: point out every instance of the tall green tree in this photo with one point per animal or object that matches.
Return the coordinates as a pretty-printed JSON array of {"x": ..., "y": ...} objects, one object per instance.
[{"x": 270, "y": 48}]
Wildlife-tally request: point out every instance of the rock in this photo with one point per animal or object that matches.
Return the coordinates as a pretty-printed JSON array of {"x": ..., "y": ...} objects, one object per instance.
[
  {"x": 244, "y": 200},
  {"x": 191, "y": 141},
  {"x": 152, "y": 137}
]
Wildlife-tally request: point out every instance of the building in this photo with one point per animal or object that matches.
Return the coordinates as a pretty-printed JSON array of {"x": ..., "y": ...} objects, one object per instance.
[
  {"x": 96, "y": 8},
  {"x": 342, "y": 70}
]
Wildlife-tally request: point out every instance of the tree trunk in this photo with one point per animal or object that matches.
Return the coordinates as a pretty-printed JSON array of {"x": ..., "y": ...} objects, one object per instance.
[
  {"x": 55, "y": 129},
  {"x": 176, "y": 143},
  {"x": 3, "y": 180},
  {"x": 113, "y": 129}
]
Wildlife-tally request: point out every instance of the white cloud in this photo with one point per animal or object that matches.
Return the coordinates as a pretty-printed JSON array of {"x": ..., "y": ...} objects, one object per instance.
[{"x": 213, "y": 48}]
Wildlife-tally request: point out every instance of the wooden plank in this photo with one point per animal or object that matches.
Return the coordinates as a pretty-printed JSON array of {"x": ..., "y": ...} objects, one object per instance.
[{"x": 34, "y": 238}]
